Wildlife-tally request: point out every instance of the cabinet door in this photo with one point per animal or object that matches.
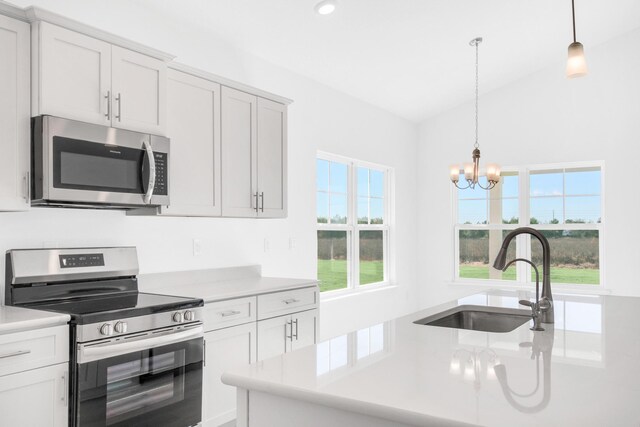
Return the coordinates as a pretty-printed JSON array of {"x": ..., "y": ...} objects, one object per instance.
[
  {"x": 139, "y": 91},
  {"x": 239, "y": 180},
  {"x": 272, "y": 159},
  {"x": 14, "y": 114},
  {"x": 225, "y": 350},
  {"x": 73, "y": 75},
  {"x": 304, "y": 329},
  {"x": 274, "y": 337},
  {"x": 37, "y": 397},
  {"x": 193, "y": 124}
]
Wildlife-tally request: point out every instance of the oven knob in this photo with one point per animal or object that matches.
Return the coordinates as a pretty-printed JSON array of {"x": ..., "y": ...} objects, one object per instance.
[
  {"x": 106, "y": 329},
  {"x": 121, "y": 327},
  {"x": 188, "y": 315},
  {"x": 177, "y": 317}
]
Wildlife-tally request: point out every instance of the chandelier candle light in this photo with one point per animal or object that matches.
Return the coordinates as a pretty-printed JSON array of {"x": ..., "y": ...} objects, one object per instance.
[{"x": 471, "y": 171}]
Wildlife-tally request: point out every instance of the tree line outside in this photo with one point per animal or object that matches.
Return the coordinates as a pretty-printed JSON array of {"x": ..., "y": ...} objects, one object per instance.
[{"x": 575, "y": 254}]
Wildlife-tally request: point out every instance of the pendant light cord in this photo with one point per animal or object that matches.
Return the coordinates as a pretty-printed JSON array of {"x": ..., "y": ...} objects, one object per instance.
[
  {"x": 476, "y": 145},
  {"x": 573, "y": 14}
]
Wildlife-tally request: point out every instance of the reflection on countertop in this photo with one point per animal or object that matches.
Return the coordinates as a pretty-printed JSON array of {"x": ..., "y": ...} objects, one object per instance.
[{"x": 580, "y": 371}]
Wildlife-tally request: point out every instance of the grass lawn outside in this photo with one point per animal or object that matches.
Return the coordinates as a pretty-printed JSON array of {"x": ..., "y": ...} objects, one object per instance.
[
  {"x": 581, "y": 276},
  {"x": 332, "y": 274}
]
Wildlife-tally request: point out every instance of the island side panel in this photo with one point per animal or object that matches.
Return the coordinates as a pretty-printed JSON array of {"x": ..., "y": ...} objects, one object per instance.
[{"x": 268, "y": 410}]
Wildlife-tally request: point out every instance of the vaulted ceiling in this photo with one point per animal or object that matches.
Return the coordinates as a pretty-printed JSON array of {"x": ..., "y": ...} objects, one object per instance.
[{"x": 410, "y": 57}]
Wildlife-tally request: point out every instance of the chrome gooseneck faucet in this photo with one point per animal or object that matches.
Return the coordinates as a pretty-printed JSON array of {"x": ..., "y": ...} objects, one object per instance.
[{"x": 546, "y": 315}]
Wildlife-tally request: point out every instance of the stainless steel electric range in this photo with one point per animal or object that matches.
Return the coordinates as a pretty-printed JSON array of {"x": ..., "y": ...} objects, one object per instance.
[{"x": 136, "y": 358}]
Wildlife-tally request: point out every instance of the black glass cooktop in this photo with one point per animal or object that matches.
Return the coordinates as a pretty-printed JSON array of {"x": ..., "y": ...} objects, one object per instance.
[{"x": 111, "y": 307}]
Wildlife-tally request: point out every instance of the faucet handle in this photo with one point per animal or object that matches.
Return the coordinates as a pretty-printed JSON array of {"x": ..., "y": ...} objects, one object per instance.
[
  {"x": 545, "y": 304},
  {"x": 526, "y": 302}
]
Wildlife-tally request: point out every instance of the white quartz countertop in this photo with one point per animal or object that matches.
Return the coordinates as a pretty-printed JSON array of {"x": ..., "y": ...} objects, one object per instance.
[
  {"x": 583, "y": 370},
  {"x": 16, "y": 319},
  {"x": 209, "y": 287}
]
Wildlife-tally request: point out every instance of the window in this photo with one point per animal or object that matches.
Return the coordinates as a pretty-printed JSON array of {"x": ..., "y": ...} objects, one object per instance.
[
  {"x": 352, "y": 205},
  {"x": 564, "y": 202}
]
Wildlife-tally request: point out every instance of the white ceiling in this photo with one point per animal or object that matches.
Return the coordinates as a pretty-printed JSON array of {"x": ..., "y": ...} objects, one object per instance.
[{"x": 410, "y": 57}]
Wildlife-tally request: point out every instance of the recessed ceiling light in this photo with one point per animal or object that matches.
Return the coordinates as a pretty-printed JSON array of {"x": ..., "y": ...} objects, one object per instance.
[{"x": 326, "y": 7}]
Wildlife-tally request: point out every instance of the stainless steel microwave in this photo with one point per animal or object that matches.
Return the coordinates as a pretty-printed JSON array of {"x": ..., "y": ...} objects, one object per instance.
[{"x": 78, "y": 164}]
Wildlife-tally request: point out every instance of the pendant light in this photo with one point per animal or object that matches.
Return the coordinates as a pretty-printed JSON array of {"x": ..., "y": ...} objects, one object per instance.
[
  {"x": 576, "y": 63},
  {"x": 471, "y": 171}
]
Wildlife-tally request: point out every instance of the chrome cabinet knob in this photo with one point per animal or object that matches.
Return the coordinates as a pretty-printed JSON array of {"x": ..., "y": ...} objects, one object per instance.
[
  {"x": 177, "y": 317},
  {"x": 121, "y": 327},
  {"x": 188, "y": 315},
  {"x": 106, "y": 329}
]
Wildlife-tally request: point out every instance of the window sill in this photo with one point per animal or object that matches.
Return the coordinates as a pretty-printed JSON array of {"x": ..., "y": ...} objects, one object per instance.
[
  {"x": 556, "y": 288},
  {"x": 347, "y": 293}
]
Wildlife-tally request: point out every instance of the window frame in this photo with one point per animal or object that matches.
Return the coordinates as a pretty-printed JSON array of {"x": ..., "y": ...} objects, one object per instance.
[
  {"x": 523, "y": 242},
  {"x": 352, "y": 228}
]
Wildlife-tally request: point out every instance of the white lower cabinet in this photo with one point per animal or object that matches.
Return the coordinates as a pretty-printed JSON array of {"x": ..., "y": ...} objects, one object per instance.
[
  {"x": 225, "y": 349},
  {"x": 235, "y": 338},
  {"x": 273, "y": 337},
  {"x": 283, "y": 334},
  {"x": 35, "y": 398}
]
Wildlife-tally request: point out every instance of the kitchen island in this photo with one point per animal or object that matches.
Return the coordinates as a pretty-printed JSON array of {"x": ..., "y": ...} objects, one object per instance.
[{"x": 582, "y": 370}]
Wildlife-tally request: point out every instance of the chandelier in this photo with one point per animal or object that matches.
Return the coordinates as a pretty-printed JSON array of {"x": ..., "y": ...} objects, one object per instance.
[{"x": 471, "y": 171}]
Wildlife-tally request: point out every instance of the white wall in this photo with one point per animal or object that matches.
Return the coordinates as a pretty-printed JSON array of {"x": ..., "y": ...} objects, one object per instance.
[
  {"x": 543, "y": 118},
  {"x": 320, "y": 119}
]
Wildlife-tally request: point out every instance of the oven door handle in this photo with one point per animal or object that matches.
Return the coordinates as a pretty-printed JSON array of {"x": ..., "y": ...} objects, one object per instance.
[
  {"x": 152, "y": 171},
  {"x": 104, "y": 351}
]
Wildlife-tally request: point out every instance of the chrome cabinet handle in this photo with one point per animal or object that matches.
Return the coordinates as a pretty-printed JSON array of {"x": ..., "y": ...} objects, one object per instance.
[
  {"x": 65, "y": 390},
  {"x": 256, "y": 197},
  {"x": 14, "y": 354},
  {"x": 229, "y": 313},
  {"x": 262, "y": 202},
  {"x": 290, "y": 325},
  {"x": 119, "y": 99},
  {"x": 108, "y": 98},
  {"x": 27, "y": 190},
  {"x": 296, "y": 334},
  {"x": 152, "y": 171},
  {"x": 290, "y": 301}
]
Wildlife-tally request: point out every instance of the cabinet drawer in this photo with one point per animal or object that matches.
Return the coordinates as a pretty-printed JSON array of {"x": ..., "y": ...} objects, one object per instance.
[
  {"x": 224, "y": 314},
  {"x": 21, "y": 351},
  {"x": 280, "y": 303}
]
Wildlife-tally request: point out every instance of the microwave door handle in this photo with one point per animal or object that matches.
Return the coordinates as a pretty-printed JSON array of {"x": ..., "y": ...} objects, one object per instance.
[{"x": 152, "y": 172}]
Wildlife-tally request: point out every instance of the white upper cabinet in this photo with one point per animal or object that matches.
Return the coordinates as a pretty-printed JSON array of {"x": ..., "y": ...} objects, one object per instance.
[
  {"x": 193, "y": 124},
  {"x": 73, "y": 75},
  {"x": 239, "y": 151},
  {"x": 254, "y": 153},
  {"x": 14, "y": 115},
  {"x": 138, "y": 84},
  {"x": 272, "y": 159},
  {"x": 82, "y": 78}
]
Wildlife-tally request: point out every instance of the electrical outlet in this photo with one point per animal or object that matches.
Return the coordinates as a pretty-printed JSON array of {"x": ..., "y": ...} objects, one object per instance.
[
  {"x": 197, "y": 247},
  {"x": 266, "y": 245},
  {"x": 292, "y": 243}
]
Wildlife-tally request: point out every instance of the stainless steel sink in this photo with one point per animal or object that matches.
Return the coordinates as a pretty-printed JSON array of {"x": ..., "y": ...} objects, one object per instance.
[{"x": 478, "y": 318}]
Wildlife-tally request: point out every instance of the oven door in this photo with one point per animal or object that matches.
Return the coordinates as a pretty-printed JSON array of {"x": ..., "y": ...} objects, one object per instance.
[{"x": 153, "y": 380}]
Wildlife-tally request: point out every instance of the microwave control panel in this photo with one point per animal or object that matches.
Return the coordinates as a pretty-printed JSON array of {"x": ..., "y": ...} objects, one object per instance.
[{"x": 161, "y": 174}]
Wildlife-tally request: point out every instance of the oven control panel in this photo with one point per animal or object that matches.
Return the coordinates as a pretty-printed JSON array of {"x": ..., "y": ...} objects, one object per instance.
[
  {"x": 116, "y": 328},
  {"x": 81, "y": 260}
]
